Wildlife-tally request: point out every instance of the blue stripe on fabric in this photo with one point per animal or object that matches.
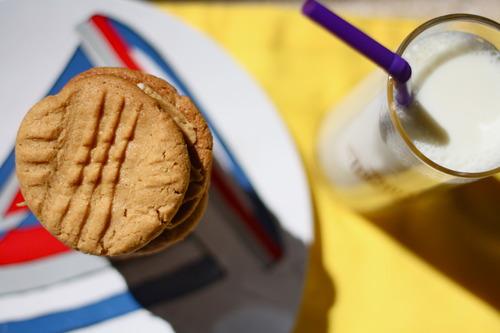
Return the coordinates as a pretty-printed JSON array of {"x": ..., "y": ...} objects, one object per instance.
[
  {"x": 265, "y": 217},
  {"x": 7, "y": 169},
  {"x": 78, "y": 63},
  {"x": 29, "y": 221},
  {"x": 76, "y": 318}
]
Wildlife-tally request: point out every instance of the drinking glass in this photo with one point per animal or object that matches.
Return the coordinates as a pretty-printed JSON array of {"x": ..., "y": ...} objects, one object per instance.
[{"x": 365, "y": 150}]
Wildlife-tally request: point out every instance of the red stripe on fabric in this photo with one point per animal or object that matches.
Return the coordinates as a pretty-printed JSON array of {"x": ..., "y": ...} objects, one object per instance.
[
  {"x": 114, "y": 40},
  {"x": 23, "y": 245},
  {"x": 13, "y": 208},
  {"x": 274, "y": 250}
]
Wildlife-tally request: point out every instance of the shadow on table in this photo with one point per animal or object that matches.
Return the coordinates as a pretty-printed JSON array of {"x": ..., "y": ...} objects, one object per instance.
[
  {"x": 319, "y": 293},
  {"x": 455, "y": 230},
  {"x": 221, "y": 279}
]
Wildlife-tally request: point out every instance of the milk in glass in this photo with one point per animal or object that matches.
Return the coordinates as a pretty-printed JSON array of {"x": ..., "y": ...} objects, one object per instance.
[{"x": 453, "y": 124}]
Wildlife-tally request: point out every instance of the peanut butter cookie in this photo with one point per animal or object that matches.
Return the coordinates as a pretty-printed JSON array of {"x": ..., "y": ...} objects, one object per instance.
[{"x": 102, "y": 165}]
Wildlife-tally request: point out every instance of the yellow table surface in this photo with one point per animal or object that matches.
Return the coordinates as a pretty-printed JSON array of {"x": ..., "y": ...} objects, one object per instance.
[{"x": 360, "y": 279}]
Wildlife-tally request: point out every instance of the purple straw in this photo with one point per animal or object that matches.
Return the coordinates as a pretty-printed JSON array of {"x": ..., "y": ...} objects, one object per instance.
[{"x": 391, "y": 62}]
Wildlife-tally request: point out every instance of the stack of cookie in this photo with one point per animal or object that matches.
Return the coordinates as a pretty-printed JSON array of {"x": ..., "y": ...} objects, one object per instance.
[{"x": 117, "y": 163}]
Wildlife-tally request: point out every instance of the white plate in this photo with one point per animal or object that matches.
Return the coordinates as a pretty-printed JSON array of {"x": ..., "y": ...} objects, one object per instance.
[{"x": 38, "y": 37}]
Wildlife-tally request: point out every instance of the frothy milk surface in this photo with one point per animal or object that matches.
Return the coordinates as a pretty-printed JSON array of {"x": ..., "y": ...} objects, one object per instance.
[{"x": 455, "y": 118}]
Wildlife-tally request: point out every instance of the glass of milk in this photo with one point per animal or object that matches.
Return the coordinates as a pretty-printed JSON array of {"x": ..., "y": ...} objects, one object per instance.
[{"x": 374, "y": 151}]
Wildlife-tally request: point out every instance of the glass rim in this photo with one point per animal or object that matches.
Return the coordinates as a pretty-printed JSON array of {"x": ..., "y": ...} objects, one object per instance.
[{"x": 391, "y": 86}]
